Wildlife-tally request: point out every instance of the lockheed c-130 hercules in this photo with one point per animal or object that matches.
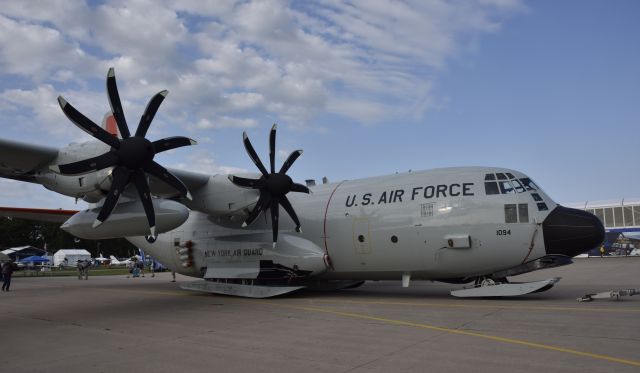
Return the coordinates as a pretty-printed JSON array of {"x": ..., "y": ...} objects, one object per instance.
[{"x": 457, "y": 225}]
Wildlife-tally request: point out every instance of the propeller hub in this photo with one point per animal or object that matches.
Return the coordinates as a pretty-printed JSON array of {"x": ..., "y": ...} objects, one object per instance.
[
  {"x": 278, "y": 184},
  {"x": 135, "y": 152}
]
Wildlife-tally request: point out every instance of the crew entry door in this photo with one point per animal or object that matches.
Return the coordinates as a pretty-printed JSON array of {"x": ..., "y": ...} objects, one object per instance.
[{"x": 176, "y": 240}]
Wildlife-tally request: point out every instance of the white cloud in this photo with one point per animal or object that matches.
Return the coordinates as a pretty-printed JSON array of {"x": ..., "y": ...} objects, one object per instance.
[
  {"x": 20, "y": 194},
  {"x": 226, "y": 122},
  {"x": 202, "y": 162},
  {"x": 143, "y": 29},
  {"x": 38, "y": 51},
  {"x": 228, "y": 58},
  {"x": 231, "y": 64},
  {"x": 283, "y": 154}
]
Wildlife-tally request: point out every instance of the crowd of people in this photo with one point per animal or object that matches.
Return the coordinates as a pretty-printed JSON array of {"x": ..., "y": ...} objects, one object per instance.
[{"x": 136, "y": 268}]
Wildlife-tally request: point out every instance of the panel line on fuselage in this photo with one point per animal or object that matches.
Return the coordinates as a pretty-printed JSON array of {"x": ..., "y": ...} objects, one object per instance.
[{"x": 326, "y": 210}]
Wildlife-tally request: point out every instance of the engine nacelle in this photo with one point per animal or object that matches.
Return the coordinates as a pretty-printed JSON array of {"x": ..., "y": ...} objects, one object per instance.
[
  {"x": 128, "y": 220},
  {"x": 91, "y": 186},
  {"x": 221, "y": 199}
]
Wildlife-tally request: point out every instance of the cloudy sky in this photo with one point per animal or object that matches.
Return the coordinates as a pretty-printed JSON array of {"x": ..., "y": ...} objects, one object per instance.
[{"x": 366, "y": 88}]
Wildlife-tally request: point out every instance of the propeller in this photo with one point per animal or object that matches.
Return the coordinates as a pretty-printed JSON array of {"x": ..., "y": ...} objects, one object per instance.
[
  {"x": 273, "y": 186},
  {"x": 131, "y": 157}
]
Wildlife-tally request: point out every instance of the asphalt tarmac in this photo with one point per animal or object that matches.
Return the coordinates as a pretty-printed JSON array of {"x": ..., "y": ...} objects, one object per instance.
[{"x": 115, "y": 324}]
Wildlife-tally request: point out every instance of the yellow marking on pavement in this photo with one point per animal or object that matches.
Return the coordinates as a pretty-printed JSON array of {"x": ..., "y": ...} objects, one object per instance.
[
  {"x": 635, "y": 363},
  {"x": 138, "y": 291},
  {"x": 492, "y": 306}
]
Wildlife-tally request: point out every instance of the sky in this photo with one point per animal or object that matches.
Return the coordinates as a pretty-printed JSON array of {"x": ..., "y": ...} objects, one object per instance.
[{"x": 365, "y": 88}]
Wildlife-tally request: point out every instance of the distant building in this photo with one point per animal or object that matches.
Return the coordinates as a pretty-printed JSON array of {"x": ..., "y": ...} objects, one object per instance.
[
  {"x": 17, "y": 253},
  {"x": 70, "y": 256},
  {"x": 621, "y": 220},
  {"x": 617, "y": 216}
]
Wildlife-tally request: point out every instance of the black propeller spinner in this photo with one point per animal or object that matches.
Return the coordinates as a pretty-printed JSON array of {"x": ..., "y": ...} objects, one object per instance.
[
  {"x": 130, "y": 156},
  {"x": 273, "y": 186}
]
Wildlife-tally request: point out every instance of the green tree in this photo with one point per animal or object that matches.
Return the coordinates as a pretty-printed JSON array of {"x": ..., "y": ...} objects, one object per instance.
[{"x": 20, "y": 232}]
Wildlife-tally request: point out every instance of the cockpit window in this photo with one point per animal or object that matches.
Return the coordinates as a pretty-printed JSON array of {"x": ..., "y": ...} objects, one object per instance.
[
  {"x": 529, "y": 184},
  {"x": 518, "y": 185},
  {"x": 507, "y": 183},
  {"x": 491, "y": 188},
  {"x": 506, "y": 187}
]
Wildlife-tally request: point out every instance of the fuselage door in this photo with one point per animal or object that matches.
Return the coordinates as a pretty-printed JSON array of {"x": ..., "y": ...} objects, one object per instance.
[
  {"x": 176, "y": 240},
  {"x": 361, "y": 235}
]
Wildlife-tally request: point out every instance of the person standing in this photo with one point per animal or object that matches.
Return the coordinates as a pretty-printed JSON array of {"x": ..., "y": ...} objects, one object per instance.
[
  {"x": 7, "y": 271},
  {"x": 140, "y": 265},
  {"x": 152, "y": 269},
  {"x": 130, "y": 266},
  {"x": 83, "y": 269}
]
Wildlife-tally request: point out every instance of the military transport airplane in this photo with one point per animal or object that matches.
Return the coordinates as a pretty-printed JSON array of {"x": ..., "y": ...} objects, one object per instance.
[{"x": 457, "y": 225}]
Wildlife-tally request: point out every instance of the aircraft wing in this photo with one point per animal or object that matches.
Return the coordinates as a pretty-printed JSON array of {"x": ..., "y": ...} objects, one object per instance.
[
  {"x": 49, "y": 215},
  {"x": 192, "y": 180},
  {"x": 19, "y": 160}
]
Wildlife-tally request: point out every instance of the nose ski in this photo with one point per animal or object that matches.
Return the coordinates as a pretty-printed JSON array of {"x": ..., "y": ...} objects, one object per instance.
[{"x": 490, "y": 288}]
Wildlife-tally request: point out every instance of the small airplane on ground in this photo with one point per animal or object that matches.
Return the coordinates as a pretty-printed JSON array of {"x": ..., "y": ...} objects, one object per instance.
[
  {"x": 113, "y": 261},
  {"x": 457, "y": 225},
  {"x": 101, "y": 259}
]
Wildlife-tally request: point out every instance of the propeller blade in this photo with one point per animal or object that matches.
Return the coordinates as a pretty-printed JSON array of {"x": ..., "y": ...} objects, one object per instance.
[
  {"x": 150, "y": 112},
  {"x": 300, "y": 188},
  {"x": 140, "y": 181},
  {"x": 263, "y": 201},
  {"x": 284, "y": 201},
  {"x": 289, "y": 162},
  {"x": 272, "y": 148},
  {"x": 171, "y": 143},
  {"x": 247, "y": 183},
  {"x": 253, "y": 155},
  {"x": 116, "y": 105},
  {"x": 275, "y": 215},
  {"x": 96, "y": 163},
  {"x": 87, "y": 124},
  {"x": 163, "y": 174},
  {"x": 121, "y": 177}
]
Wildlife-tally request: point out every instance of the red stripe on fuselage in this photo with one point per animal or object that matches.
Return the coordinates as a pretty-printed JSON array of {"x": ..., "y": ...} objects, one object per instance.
[{"x": 39, "y": 211}]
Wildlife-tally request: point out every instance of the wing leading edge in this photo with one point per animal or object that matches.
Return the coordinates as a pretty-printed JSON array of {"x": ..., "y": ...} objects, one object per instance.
[
  {"x": 49, "y": 215},
  {"x": 19, "y": 160}
]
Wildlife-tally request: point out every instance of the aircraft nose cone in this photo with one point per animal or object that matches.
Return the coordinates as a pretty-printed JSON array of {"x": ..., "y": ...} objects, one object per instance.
[{"x": 571, "y": 232}]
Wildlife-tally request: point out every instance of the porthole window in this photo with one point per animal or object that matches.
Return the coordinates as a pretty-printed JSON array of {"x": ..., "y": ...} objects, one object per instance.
[
  {"x": 394, "y": 239},
  {"x": 360, "y": 238}
]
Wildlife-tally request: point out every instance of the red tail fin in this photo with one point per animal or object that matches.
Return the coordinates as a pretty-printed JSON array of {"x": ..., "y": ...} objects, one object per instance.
[{"x": 109, "y": 124}]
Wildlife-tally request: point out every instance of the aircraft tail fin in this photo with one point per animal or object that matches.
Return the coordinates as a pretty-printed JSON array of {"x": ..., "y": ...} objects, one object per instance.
[{"x": 109, "y": 124}]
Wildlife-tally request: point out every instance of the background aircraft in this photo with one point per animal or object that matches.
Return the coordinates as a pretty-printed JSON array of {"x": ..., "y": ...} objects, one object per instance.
[
  {"x": 101, "y": 259},
  {"x": 117, "y": 262},
  {"x": 457, "y": 225}
]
